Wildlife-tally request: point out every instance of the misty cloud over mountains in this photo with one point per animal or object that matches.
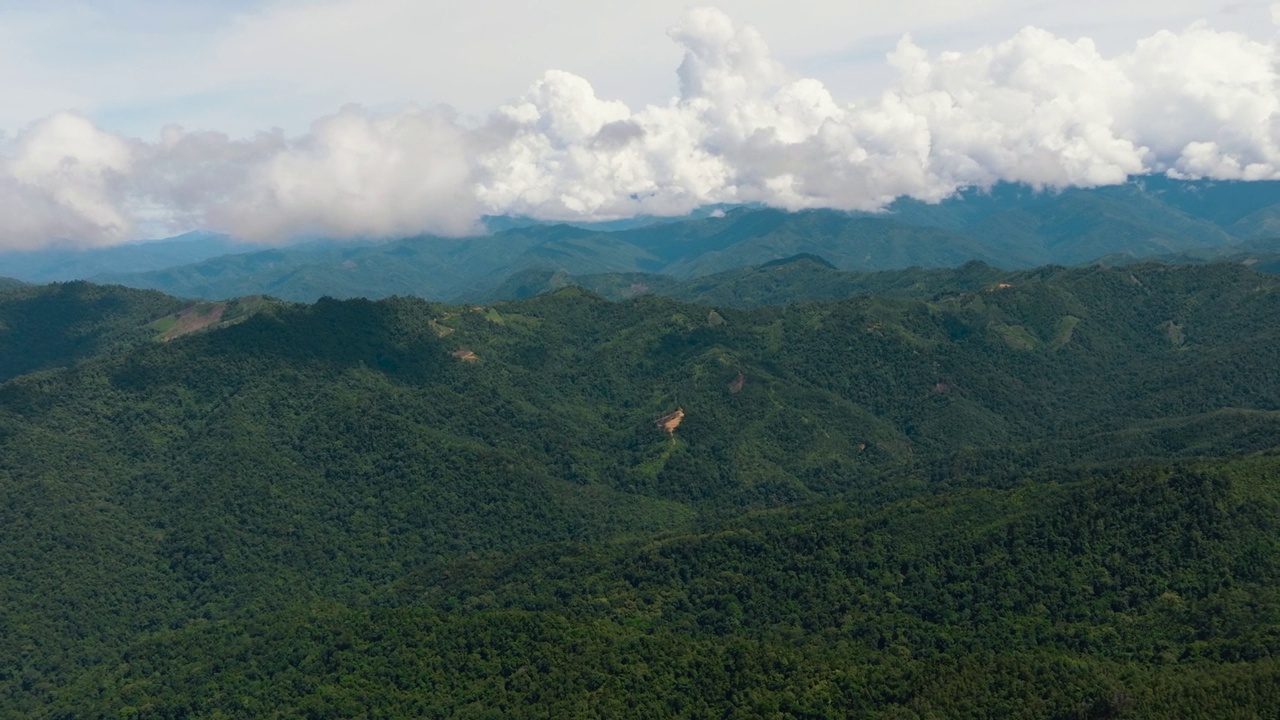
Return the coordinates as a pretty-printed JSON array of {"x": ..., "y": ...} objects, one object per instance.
[{"x": 1036, "y": 109}]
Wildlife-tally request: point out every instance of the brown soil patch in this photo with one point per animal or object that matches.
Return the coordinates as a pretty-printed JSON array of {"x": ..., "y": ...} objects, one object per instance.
[
  {"x": 466, "y": 356},
  {"x": 671, "y": 421},
  {"x": 735, "y": 387},
  {"x": 195, "y": 318}
]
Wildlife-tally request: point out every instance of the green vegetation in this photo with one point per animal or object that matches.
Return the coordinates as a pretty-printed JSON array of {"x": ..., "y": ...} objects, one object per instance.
[
  {"x": 982, "y": 494},
  {"x": 802, "y": 278},
  {"x": 50, "y": 326},
  {"x": 1262, "y": 255},
  {"x": 969, "y": 603},
  {"x": 195, "y": 316}
]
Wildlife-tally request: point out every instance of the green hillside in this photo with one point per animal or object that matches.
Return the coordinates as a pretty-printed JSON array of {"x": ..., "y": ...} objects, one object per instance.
[
  {"x": 57, "y": 325},
  {"x": 797, "y": 279},
  {"x": 1051, "y": 496},
  {"x": 1259, "y": 254},
  {"x": 1078, "y": 226},
  {"x": 1138, "y": 593},
  {"x": 1264, "y": 223}
]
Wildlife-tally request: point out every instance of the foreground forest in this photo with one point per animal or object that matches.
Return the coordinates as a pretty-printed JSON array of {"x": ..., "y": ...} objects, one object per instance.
[{"x": 1049, "y": 493}]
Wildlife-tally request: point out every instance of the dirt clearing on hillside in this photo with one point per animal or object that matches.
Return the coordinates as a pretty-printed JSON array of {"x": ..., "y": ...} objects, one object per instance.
[{"x": 196, "y": 317}]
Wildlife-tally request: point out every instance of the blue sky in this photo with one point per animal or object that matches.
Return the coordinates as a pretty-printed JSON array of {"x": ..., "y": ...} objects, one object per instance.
[
  {"x": 245, "y": 65},
  {"x": 277, "y": 118}
]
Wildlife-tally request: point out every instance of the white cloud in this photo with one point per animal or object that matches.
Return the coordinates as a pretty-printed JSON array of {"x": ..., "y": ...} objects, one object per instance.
[
  {"x": 61, "y": 179},
  {"x": 1035, "y": 108},
  {"x": 357, "y": 174}
]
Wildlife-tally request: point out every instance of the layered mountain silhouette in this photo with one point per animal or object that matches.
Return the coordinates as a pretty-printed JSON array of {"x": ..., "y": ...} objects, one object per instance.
[{"x": 1007, "y": 227}]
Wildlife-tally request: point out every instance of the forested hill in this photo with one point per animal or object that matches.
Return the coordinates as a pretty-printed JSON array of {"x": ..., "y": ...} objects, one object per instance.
[
  {"x": 58, "y": 325},
  {"x": 1262, "y": 255},
  {"x": 797, "y": 279},
  {"x": 1050, "y": 496}
]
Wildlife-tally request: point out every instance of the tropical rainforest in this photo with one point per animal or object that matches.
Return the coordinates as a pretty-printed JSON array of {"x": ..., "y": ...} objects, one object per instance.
[{"x": 789, "y": 491}]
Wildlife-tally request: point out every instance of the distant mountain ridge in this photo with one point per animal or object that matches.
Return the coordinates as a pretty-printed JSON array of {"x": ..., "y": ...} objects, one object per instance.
[
  {"x": 1262, "y": 255},
  {"x": 797, "y": 279},
  {"x": 1009, "y": 227},
  {"x": 60, "y": 264}
]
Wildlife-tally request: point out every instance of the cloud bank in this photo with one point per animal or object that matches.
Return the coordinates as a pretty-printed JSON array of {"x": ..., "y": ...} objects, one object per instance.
[{"x": 1035, "y": 108}]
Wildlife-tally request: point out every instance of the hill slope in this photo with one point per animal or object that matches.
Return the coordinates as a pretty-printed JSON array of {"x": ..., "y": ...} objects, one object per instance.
[
  {"x": 50, "y": 326},
  {"x": 801, "y": 278},
  {"x": 885, "y": 503},
  {"x": 966, "y": 604}
]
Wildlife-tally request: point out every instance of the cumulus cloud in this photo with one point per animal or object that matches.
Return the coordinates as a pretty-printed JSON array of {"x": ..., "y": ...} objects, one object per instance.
[
  {"x": 1036, "y": 108},
  {"x": 357, "y": 174},
  {"x": 354, "y": 174},
  {"x": 62, "y": 177}
]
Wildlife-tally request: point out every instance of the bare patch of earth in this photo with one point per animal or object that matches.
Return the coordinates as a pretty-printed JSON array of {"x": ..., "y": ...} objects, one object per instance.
[{"x": 196, "y": 317}]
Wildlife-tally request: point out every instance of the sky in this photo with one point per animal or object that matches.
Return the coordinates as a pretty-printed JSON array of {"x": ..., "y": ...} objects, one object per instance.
[{"x": 272, "y": 119}]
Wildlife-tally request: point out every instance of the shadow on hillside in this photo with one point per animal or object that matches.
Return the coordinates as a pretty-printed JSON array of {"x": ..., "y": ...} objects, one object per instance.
[{"x": 329, "y": 336}]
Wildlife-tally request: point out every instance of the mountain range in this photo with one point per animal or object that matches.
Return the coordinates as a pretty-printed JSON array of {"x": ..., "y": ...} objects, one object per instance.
[
  {"x": 1009, "y": 455},
  {"x": 1007, "y": 226},
  {"x": 62, "y": 263}
]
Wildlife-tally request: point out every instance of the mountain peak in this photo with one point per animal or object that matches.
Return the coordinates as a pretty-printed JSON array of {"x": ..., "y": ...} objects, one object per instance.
[{"x": 798, "y": 259}]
